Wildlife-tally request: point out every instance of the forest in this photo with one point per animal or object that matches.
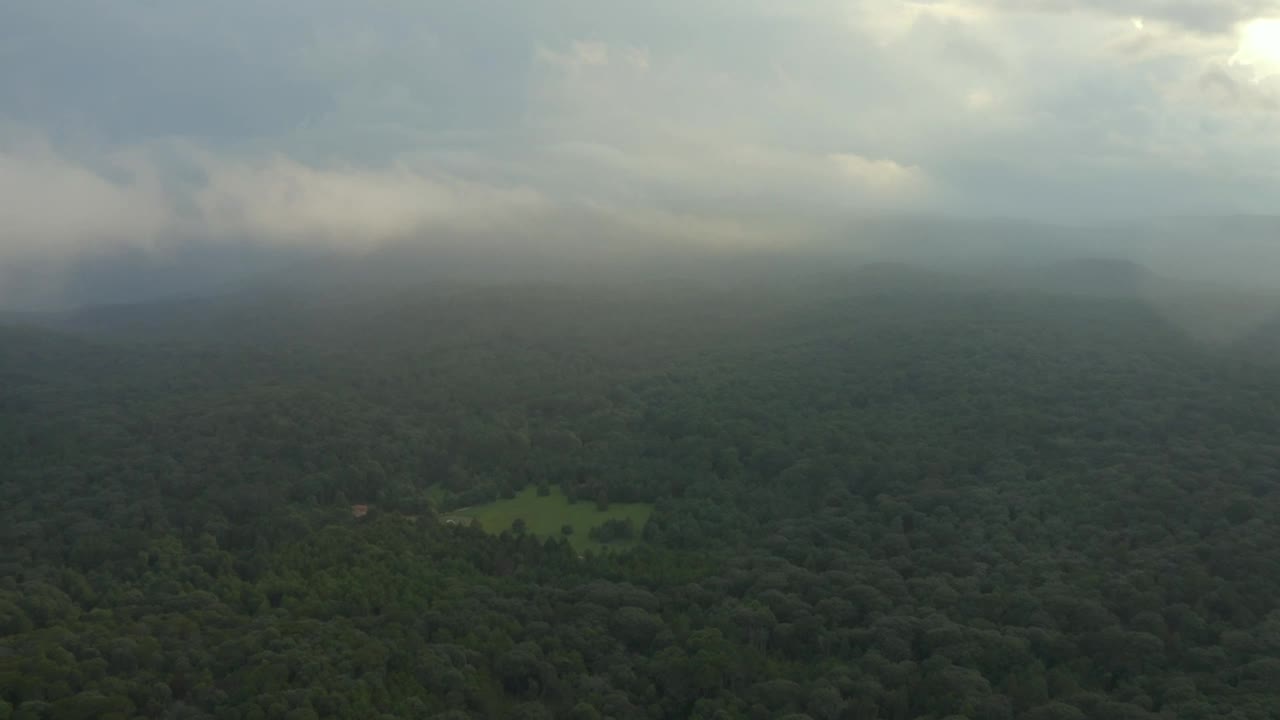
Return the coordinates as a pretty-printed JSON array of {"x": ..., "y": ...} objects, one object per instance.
[{"x": 873, "y": 495}]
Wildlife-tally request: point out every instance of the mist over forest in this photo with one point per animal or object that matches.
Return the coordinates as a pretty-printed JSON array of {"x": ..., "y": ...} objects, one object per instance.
[
  {"x": 818, "y": 360},
  {"x": 1226, "y": 253}
]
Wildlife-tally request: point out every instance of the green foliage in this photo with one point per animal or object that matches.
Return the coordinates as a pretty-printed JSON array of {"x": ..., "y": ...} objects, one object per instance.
[
  {"x": 614, "y": 530},
  {"x": 841, "y": 504}
]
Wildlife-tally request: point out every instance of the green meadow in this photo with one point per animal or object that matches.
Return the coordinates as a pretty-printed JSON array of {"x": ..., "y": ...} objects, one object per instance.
[{"x": 545, "y": 516}]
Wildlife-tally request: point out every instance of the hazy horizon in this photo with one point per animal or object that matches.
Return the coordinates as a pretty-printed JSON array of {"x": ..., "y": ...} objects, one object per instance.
[{"x": 240, "y": 133}]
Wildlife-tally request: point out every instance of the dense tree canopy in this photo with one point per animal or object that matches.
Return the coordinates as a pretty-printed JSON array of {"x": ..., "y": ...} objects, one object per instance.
[{"x": 920, "y": 503}]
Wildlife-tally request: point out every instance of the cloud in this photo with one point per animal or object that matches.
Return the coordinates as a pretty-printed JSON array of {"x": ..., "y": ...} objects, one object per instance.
[
  {"x": 878, "y": 175},
  {"x": 1223, "y": 89},
  {"x": 335, "y": 123},
  {"x": 721, "y": 177},
  {"x": 54, "y": 205},
  {"x": 285, "y": 200},
  {"x": 1205, "y": 16},
  {"x": 51, "y": 204},
  {"x": 1260, "y": 48},
  {"x": 585, "y": 54}
]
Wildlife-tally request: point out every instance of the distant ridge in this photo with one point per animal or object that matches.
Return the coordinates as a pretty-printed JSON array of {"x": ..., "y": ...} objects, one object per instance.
[{"x": 1095, "y": 276}]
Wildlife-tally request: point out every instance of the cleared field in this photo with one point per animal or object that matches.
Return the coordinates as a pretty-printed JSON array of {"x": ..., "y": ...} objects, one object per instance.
[{"x": 545, "y": 516}]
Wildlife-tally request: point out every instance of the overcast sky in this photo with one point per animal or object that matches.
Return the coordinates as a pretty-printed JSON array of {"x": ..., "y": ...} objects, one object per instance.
[{"x": 327, "y": 121}]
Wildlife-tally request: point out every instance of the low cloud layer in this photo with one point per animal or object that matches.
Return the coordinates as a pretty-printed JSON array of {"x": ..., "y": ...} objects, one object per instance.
[
  {"x": 55, "y": 204},
  {"x": 283, "y": 199},
  {"x": 135, "y": 123}
]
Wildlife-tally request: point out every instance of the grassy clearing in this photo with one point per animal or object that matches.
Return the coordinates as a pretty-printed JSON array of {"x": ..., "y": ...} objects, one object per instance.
[{"x": 545, "y": 516}]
